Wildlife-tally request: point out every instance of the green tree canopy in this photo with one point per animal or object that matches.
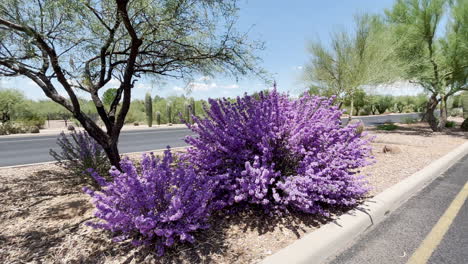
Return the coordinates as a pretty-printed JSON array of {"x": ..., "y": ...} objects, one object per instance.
[
  {"x": 434, "y": 58},
  {"x": 353, "y": 60}
]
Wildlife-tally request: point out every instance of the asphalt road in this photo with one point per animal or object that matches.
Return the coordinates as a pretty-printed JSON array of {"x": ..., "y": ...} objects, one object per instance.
[
  {"x": 397, "y": 238},
  {"x": 33, "y": 149}
]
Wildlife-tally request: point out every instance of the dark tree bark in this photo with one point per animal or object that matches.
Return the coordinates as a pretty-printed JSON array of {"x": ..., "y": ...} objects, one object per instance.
[
  {"x": 430, "y": 115},
  {"x": 443, "y": 114}
]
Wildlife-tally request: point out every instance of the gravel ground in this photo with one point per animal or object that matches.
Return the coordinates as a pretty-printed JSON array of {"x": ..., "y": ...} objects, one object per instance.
[{"x": 43, "y": 212}]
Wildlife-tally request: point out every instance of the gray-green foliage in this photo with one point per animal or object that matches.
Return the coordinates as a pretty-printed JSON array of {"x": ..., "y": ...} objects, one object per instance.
[
  {"x": 464, "y": 100},
  {"x": 353, "y": 60},
  {"x": 158, "y": 118},
  {"x": 149, "y": 110},
  {"x": 109, "y": 96},
  {"x": 431, "y": 56},
  {"x": 12, "y": 103},
  {"x": 169, "y": 113},
  {"x": 187, "y": 112}
]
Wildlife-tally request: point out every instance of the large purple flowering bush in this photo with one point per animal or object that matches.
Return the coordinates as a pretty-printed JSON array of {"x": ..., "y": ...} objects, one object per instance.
[
  {"x": 163, "y": 204},
  {"x": 268, "y": 151},
  {"x": 280, "y": 153}
]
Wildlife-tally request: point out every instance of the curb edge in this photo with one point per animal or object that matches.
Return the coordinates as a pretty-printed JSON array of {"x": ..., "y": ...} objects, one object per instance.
[{"x": 330, "y": 239}]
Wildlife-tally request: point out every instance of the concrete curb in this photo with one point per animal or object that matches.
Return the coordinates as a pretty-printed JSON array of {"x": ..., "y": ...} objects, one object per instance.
[{"x": 332, "y": 238}]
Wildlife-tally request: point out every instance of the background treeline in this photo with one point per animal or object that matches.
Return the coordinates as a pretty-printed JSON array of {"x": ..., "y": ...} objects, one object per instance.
[
  {"x": 420, "y": 42},
  {"x": 18, "y": 114}
]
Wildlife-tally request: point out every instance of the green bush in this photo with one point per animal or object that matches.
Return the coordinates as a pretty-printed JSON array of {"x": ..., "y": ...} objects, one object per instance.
[
  {"x": 450, "y": 124},
  {"x": 389, "y": 126},
  {"x": 10, "y": 128},
  {"x": 34, "y": 130}
]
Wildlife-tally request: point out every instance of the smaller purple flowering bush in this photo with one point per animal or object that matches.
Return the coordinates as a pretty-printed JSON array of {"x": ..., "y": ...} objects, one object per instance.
[
  {"x": 80, "y": 152},
  {"x": 163, "y": 204}
]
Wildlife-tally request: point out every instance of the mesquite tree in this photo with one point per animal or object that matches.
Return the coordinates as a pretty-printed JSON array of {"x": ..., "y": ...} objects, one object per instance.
[
  {"x": 71, "y": 46},
  {"x": 433, "y": 58},
  {"x": 353, "y": 59}
]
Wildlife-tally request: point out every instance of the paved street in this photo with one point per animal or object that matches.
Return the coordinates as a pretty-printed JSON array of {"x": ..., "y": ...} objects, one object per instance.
[
  {"x": 420, "y": 219},
  {"x": 32, "y": 149},
  {"x": 25, "y": 150}
]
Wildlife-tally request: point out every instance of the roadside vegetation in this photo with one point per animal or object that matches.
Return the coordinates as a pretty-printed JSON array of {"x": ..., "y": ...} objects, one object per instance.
[{"x": 264, "y": 162}]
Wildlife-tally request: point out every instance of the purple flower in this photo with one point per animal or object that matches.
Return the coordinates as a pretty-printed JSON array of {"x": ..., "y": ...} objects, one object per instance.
[
  {"x": 159, "y": 206},
  {"x": 280, "y": 153}
]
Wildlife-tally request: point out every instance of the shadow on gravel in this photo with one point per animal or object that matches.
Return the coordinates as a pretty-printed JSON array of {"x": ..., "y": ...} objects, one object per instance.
[
  {"x": 43, "y": 216},
  {"x": 422, "y": 130}
]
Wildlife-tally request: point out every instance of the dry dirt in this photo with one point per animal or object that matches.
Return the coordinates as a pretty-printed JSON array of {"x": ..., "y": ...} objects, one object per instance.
[{"x": 43, "y": 212}]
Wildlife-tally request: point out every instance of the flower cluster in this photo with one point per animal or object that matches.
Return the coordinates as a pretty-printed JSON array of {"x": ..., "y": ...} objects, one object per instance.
[
  {"x": 269, "y": 151},
  {"x": 280, "y": 153},
  {"x": 79, "y": 152},
  {"x": 163, "y": 204}
]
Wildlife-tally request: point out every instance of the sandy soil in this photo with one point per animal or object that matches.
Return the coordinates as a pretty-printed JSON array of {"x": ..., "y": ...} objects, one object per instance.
[{"x": 43, "y": 212}]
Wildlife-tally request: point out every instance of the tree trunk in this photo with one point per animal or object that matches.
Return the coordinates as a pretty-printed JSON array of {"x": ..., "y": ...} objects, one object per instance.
[
  {"x": 443, "y": 113},
  {"x": 429, "y": 116},
  {"x": 351, "y": 110},
  {"x": 108, "y": 141},
  {"x": 112, "y": 152}
]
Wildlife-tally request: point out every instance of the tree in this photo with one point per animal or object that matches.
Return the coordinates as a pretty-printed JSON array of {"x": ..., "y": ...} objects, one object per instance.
[
  {"x": 109, "y": 96},
  {"x": 438, "y": 64},
  {"x": 384, "y": 102},
  {"x": 83, "y": 45},
  {"x": 354, "y": 60},
  {"x": 359, "y": 99},
  {"x": 10, "y": 103}
]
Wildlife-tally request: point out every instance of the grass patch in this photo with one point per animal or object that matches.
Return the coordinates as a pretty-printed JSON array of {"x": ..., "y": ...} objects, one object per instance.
[{"x": 387, "y": 127}]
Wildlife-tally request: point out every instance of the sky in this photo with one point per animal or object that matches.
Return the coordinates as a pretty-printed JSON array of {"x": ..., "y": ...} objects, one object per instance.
[{"x": 285, "y": 27}]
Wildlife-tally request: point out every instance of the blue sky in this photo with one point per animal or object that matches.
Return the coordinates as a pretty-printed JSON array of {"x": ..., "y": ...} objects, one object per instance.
[{"x": 285, "y": 26}]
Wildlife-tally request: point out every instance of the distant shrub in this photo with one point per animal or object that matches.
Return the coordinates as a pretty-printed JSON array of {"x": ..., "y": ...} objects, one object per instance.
[
  {"x": 159, "y": 206},
  {"x": 80, "y": 152},
  {"x": 10, "y": 128},
  {"x": 450, "y": 124},
  {"x": 34, "y": 130},
  {"x": 32, "y": 120},
  {"x": 389, "y": 126},
  {"x": 410, "y": 120},
  {"x": 456, "y": 112},
  {"x": 279, "y": 153}
]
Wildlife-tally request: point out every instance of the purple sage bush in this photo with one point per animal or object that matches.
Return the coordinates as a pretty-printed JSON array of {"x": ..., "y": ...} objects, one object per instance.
[
  {"x": 280, "y": 154},
  {"x": 80, "y": 152},
  {"x": 160, "y": 205}
]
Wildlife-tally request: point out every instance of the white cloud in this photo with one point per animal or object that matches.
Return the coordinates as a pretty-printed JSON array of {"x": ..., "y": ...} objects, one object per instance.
[
  {"x": 178, "y": 89},
  {"x": 199, "y": 86},
  {"x": 232, "y": 86},
  {"x": 204, "y": 86}
]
